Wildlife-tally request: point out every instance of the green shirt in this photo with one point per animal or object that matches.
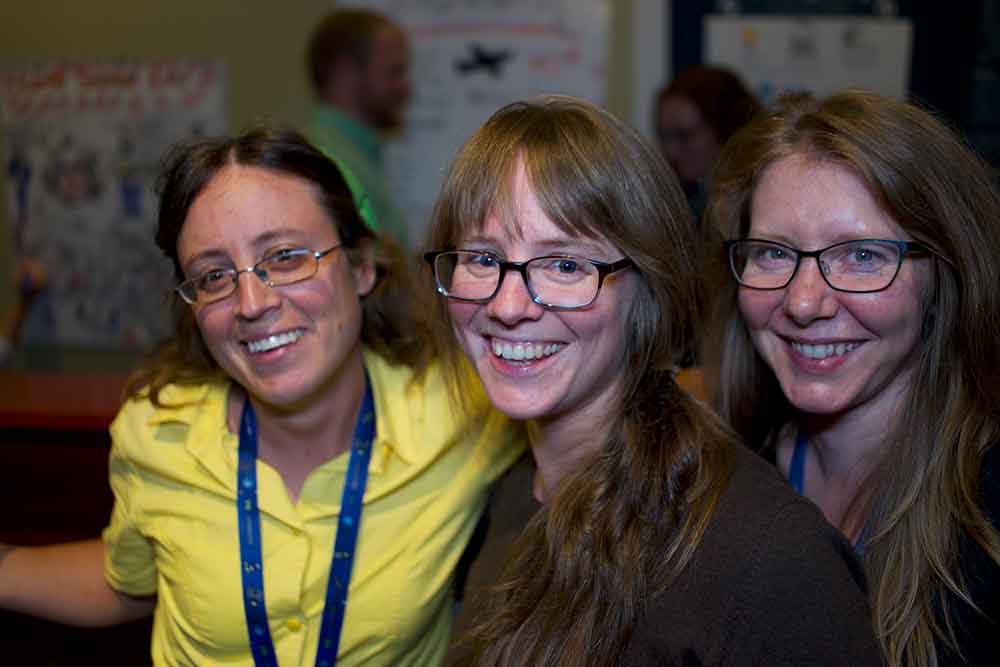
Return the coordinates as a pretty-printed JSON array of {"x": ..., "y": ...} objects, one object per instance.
[{"x": 357, "y": 150}]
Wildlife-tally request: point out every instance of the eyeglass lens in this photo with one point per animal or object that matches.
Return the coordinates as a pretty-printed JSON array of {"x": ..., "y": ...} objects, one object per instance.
[
  {"x": 859, "y": 266},
  {"x": 562, "y": 281},
  {"x": 282, "y": 268}
]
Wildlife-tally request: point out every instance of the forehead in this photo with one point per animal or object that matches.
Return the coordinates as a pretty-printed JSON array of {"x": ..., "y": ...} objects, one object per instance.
[
  {"x": 517, "y": 219},
  {"x": 679, "y": 111},
  {"x": 241, "y": 205},
  {"x": 811, "y": 203},
  {"x": 390, "y": 48}
]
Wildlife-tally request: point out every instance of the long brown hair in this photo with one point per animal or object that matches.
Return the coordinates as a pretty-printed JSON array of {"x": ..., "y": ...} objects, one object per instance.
[
  {"x": 926, "y": 490},
  {"x": 389, "y": 323},
  {"x": 624, "y": 525}
]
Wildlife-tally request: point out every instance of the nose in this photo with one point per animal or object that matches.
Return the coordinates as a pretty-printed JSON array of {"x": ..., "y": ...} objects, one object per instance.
[
  {"x": 254, "y": 297},
  {"x": 512, "y": 302},
  {"x": 808, "y": 297}
]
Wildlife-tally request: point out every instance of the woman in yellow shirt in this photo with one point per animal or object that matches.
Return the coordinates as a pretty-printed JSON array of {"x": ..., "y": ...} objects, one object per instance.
[{"x": 291, "y": 484}]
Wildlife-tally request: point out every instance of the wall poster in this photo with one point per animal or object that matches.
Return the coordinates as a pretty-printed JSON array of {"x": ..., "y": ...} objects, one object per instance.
[
  {"x": 83, "y": 142},
  {"x": 815, "y": 53},
  {"x": 470, "y": 57}
]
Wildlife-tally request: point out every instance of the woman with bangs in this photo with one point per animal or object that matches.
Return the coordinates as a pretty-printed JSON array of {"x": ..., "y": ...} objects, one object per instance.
[
  {"x": 638, "y": 532},
  {"x": 854, "y": 344}
]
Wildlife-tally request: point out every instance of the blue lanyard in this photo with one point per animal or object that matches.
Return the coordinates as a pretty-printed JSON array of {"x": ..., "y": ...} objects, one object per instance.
[
  {"x": 252, "y": 560},
  {"x": 797, "y": 468},
  {"x": 797, "y": 478}
]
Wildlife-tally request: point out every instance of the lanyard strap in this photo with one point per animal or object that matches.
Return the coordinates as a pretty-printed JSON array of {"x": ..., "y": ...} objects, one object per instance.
[
  {"x": 251, "y": 556},
  {"x": 797, "y": 468},
  {"x": 797, "y": 478}
]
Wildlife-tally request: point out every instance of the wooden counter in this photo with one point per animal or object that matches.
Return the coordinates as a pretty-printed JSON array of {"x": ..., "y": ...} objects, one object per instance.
[{"x": 59, "y": 402}]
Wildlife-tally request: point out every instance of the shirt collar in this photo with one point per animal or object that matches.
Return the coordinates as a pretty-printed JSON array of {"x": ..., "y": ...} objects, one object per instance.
[
  {"x": 203, "y": 409},
  {"x": 394, "y": 428}
]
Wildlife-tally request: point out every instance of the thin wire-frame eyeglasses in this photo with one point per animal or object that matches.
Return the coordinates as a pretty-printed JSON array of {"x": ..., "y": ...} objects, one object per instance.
[{"x": 284, "y": 267}]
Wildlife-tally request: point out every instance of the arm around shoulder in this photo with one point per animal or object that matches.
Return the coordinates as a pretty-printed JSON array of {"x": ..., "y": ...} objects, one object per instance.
[{"x": 65, "y": 583}]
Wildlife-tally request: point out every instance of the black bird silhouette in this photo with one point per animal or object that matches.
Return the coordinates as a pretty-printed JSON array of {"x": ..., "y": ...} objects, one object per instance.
[{"x": 480, "y": 58}]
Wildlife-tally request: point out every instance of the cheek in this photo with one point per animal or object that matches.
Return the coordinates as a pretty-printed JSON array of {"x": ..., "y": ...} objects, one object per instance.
[
  {"x": 756, "y": 306},
  {"x": 213, "y": 326},
  {"x": 898, "y": 320},
  {"x": 210, "y": 324},
  {"x": 461, "y": 314}
]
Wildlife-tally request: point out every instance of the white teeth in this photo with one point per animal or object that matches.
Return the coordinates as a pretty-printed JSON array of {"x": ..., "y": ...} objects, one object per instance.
[
  {"x": 272, "y": 342},
  {"x": 824, "y": 351},
  {"x": 524, "y": 350}
]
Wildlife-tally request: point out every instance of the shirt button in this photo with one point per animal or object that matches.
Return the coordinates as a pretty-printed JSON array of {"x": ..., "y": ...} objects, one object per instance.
[{"x": 294, "y": 624}]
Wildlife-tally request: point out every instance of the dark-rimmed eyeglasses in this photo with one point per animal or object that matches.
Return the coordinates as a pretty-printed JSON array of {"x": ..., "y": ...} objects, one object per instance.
[
  {"x": 284, "y": 267},
  {"x": 859, "y": 266},
  {"x": 558, "y": 282}
]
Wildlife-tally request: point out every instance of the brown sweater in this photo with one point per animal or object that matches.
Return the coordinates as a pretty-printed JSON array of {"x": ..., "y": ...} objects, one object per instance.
[{"x": 770, "y": 584}]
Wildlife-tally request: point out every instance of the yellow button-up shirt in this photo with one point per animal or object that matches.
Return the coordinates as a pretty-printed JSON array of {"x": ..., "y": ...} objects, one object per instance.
[{"x": 173, "y": 530}]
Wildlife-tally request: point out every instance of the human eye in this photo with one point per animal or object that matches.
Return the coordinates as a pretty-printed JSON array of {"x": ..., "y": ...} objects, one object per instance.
[
  {"x": 215, "y": 280},
  {"x": 769, "y": 255},
  {"x": 286, "y": 259},
  {"x": 866, "y": 257},
  {"x": 564, "y": 269},
  {"x": 478, "y": 263}
]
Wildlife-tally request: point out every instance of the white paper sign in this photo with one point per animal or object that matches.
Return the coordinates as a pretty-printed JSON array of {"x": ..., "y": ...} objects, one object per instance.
[
  {"x": 818, "y": 54},
  {"x": 470, "y": 57}
]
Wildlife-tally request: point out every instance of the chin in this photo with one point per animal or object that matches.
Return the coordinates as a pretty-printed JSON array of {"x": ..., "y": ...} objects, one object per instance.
[
  {"x": 515, "y": 404},
  {"x": 818, "y": 402}
]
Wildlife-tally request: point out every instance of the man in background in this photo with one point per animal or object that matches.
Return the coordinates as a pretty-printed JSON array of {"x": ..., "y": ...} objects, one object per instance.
[{"x": 359, "y": 64}]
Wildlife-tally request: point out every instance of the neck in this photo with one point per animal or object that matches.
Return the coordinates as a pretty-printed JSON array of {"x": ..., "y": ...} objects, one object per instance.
[
  {"x": 844, "y": 452},
  {"x": 347, "y": 105},
  {"x": 295, "y": 440},
  {"x": 559, "y": 446}
]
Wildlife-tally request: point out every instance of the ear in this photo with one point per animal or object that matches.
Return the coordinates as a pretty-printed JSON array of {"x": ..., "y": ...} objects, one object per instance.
[{"x": 363, "y": 267}]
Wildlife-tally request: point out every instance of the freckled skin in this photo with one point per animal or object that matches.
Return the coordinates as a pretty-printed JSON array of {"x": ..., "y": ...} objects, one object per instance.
[
  {"x": 275, "y": 211},
  {"x": 581, "y": 379},
  {"x": 811, "y": 205}
]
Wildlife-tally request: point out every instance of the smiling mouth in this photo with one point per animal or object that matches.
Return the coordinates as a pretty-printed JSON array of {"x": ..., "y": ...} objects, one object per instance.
[
  {"x": 521, "y": 351},
  {"x": 824, "y": 351},
  {"x": 274, "y": 342}
]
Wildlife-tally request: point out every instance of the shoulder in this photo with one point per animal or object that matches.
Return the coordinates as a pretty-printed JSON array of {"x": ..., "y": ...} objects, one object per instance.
[
  {"x": 140, "y": 423},
  {"x": 795, "y": 588},
  {"x": 777, "y": 525},
  {"x": 417, "y": 414},
  {"x": 977, "y": 630}
]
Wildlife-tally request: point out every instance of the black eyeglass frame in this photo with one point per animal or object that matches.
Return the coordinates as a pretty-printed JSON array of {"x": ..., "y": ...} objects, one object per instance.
[
  {"x": 905, "y": 248},
  {"x": 604, "y": 269},
  {"x": 234, "y": 274}
]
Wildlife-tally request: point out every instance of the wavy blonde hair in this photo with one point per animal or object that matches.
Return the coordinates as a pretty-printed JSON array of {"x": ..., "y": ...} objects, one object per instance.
[{"x": 925, "y": 493}]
